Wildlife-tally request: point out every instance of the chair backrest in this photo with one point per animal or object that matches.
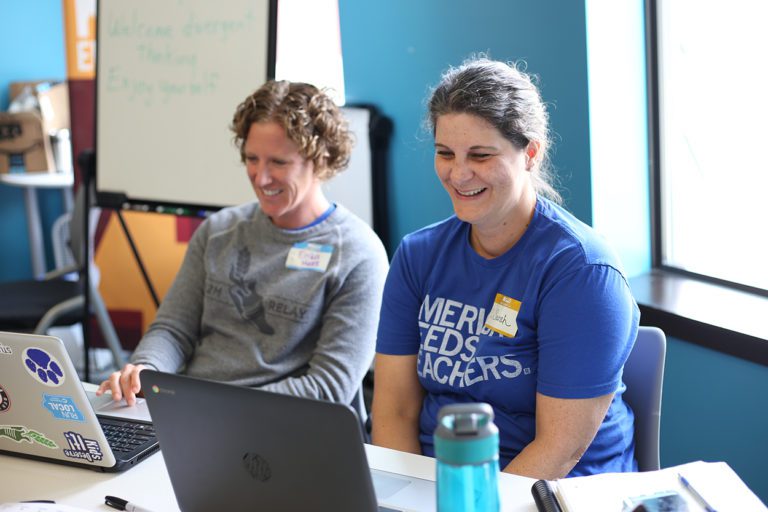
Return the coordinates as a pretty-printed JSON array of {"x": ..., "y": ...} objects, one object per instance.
[
  {"x": 644, "y": 378},
  {"x": 68, "y": 234},
  {"x": 62, "y": 254}
]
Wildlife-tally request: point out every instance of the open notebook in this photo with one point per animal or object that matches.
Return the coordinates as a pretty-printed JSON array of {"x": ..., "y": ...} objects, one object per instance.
[{"x": 719, "y": 485}]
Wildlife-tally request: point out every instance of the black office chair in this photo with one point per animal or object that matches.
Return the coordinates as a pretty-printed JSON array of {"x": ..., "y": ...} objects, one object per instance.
[{"x": 37, "y": 305}]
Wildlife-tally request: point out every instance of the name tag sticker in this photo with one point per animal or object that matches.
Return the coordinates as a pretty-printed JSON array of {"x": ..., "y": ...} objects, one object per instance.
[
  {"x": 309, "y": 256},
  {"x": 503, "y": 316}
]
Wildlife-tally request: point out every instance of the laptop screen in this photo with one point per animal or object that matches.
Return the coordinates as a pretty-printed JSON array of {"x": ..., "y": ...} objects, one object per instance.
[{"x": 234, "y": 448}]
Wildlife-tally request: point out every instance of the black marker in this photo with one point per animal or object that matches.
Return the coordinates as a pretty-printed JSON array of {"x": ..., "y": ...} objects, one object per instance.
[{"x": 121, "y": 504}]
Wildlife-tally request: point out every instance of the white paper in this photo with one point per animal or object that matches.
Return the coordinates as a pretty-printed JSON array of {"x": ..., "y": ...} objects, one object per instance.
[
  {"x": 717, "y": 482},
  {"x": 38, "y": 507}
]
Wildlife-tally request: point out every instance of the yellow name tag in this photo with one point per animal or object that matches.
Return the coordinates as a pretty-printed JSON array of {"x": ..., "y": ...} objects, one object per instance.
[{"x": 503, "y": 316}]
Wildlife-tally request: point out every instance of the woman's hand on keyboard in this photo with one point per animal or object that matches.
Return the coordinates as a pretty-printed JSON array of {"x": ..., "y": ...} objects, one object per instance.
[{"x": 124, "y": 383}]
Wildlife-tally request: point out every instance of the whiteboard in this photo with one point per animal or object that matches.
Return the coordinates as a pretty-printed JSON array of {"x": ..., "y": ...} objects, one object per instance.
[
  {"x": 168, "y": 79},
  {"x": 353, "y": 187}
]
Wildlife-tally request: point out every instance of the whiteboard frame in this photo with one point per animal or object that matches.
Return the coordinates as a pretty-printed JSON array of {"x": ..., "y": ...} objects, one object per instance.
[{"x": 109, "y": 195}]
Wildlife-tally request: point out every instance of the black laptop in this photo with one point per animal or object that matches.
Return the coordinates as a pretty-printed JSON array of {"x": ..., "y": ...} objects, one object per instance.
[{"x": 235, "y": 448}]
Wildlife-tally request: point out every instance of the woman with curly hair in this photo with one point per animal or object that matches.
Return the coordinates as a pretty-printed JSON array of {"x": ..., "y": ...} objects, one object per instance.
[{"x": 283, "y": 293}]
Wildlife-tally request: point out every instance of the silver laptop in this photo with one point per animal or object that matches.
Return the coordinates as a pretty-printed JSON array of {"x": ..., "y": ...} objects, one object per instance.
[
  {"x": 234, "y": 448},
  {"x": 45, "y": 412}
]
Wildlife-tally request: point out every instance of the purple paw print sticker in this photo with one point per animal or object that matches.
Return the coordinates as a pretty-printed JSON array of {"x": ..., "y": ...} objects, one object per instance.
[{"x": 43, "y": 367}]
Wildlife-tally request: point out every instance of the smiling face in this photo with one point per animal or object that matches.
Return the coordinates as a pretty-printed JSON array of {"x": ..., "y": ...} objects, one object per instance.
[
  {"x": 284, "y": 181},
  {"x": 487, "y": 177}
]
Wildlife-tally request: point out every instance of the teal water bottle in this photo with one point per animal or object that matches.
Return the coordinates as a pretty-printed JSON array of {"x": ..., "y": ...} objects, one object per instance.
[{"x": 467, "y": 452}]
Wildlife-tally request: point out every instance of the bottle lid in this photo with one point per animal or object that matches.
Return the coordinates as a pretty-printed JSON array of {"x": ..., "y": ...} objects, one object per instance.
[{"x": 466, "y": 434}]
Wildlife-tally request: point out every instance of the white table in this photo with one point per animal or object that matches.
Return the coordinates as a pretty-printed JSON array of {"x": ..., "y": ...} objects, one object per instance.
[
  {"x": 148, "y": 484},
  {"x": 31, "y": 181}
]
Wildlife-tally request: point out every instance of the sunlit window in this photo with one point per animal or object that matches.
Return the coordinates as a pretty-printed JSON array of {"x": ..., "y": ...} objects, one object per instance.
[
  {"x": 713, "y": 137},
  {"x": 309, "y": 45}
]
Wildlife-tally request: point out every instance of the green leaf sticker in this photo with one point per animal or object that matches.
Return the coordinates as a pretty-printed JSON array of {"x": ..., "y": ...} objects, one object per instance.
[
  {"x": 41, "y": 439},
  {"x": 19, "y": 433}
]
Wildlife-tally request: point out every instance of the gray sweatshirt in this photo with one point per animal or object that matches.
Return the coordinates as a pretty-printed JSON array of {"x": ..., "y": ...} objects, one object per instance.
[{"x": 253, "y": 305}]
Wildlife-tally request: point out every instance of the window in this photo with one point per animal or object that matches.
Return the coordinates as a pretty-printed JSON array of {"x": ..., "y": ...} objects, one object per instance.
[
  {"x": 309, "y": 45},
  {"x": 711, "y": 138}
]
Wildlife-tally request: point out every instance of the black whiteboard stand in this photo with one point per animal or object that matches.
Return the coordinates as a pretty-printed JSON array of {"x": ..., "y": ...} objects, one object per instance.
[
  {"x": 137, "y": 257},
  {"x": 115, "y": 202},
  {"x": 87, "y": 161}
]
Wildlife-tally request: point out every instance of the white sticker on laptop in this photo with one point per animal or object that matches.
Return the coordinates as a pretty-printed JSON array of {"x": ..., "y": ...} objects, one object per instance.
[
  {"x": 5, "y": 400},
  {"x": 309, "y": 256},
  {"x": 82, "y": 448},
  {"x": 43, "y": 367}
]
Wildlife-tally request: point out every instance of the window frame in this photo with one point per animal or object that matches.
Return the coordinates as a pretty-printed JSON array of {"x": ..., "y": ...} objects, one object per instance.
[
  {"x": 655, "y": 165},
  {"x": 676, "y": 299}
]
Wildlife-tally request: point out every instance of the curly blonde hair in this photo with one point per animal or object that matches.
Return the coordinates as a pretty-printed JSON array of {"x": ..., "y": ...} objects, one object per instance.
[{"x": 310, "y": 119}]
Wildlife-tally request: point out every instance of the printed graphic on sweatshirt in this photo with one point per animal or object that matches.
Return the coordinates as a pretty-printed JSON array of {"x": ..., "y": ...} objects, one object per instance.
[
  {"x": 5, "y": 350},
  {"x": 450, "y": 331},
  {"x": 21, "y": 433},
  {"x": 249, "y": 304},
  {"x": 286, "y": 308}
]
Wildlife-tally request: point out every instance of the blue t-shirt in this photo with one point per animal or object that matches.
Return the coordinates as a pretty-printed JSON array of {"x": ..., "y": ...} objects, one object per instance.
[{"x": 564, "y": 325}]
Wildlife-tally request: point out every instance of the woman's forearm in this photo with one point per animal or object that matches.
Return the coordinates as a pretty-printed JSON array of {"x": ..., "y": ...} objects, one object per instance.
[
  {"x": 540, "y": 462},
  {"x": 396, "y": 432}
]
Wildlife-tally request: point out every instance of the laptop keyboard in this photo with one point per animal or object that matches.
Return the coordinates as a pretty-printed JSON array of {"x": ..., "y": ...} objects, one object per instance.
[{"x": 126, "y": 436}]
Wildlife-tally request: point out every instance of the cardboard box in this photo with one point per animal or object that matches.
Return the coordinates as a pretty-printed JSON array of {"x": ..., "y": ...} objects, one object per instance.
[
  {"x": 21, "y": 133},
  {"x": 53, "y": 98}
]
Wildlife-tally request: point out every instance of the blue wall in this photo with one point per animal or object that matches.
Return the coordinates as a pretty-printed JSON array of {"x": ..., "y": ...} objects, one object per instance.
[
  {"x": 713, "y": 409},
  {"x": 33, "y": 49},
  {"x": 395, "y": 50}
]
